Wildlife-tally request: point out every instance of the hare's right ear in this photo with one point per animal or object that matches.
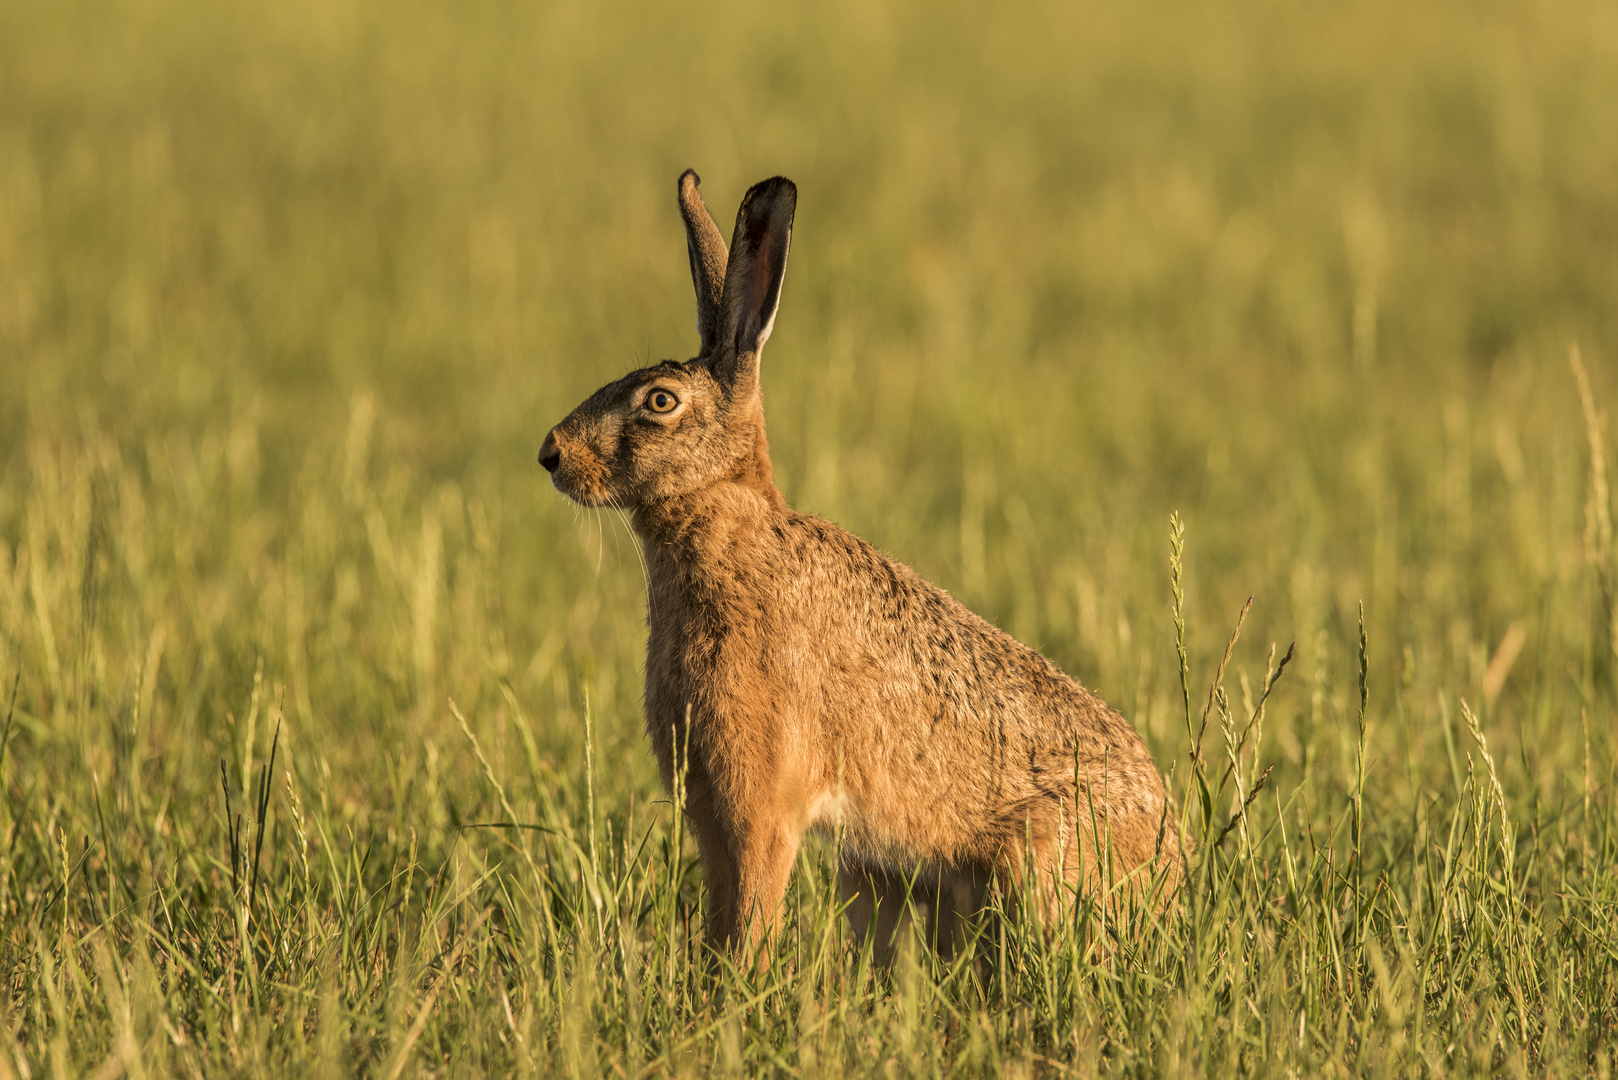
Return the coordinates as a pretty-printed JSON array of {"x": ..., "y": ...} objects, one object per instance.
[
  {"x": 758, "y": 262},
  {"x": 706, "y": 249}
]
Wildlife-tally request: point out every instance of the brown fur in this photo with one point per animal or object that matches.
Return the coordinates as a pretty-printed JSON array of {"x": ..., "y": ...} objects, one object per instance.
[{"x": 827, "y": 685}]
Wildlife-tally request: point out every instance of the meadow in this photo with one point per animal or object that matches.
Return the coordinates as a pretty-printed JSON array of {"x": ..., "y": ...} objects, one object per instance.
[{"x": 320, "y": 736}]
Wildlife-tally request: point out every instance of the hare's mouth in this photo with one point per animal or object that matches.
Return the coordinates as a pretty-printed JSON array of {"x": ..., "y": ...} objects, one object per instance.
[
  {"x": 583, "y": 490},
  {"x": 576, "y": 470},
  {"x": 575, "y": 477}
]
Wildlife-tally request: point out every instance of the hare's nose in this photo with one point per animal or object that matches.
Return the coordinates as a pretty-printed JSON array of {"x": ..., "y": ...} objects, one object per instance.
[{"x": 550, "y": 455}]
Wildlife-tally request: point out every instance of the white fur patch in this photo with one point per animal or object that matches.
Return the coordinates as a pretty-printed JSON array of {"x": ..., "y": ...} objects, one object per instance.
[{"x": 828, "y": 809}]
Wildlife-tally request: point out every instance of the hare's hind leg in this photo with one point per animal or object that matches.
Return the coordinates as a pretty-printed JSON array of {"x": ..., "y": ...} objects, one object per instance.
[
  {"x": 876, "y": 906},
  {"x": 884, "y": 904},
  {"x": 962, "y": 895}
]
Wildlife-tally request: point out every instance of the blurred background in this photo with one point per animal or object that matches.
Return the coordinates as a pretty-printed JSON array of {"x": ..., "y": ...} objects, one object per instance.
[{"x": 290, "y": 293}]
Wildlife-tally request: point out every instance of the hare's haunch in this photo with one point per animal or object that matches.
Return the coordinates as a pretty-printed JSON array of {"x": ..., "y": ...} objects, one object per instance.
[{"x": 827, "y": 685}]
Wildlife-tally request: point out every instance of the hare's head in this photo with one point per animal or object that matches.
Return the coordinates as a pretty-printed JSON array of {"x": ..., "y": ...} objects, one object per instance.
[{"x": 674, "y": 428}]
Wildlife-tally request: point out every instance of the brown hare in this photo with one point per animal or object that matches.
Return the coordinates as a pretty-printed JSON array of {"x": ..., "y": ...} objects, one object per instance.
[{"x": 825, "y": 685}]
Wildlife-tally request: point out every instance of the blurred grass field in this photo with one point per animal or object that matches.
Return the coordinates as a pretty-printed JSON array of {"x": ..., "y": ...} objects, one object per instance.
[{"x": 289, "y": 295}]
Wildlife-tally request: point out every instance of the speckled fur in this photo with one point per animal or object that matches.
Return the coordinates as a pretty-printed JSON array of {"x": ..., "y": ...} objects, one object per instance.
[{"x": 828, "y": 685}]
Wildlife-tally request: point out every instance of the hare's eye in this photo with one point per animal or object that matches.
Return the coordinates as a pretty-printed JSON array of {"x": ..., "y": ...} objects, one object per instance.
[{"x": 661, "y": 401}]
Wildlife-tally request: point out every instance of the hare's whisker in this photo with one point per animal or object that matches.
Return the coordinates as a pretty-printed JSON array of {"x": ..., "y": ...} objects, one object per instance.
[
  {"x": 640, "y": 556},
  {"x": 601, "y": 539}
]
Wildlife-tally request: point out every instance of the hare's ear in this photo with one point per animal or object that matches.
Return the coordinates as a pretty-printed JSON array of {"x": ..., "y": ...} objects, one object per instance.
[
  {"x": 706, "y": 249},
  {"x": 758, "y": 262}
]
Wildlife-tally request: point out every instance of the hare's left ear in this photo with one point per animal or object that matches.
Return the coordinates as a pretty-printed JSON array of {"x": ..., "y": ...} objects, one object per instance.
[{"x": 758, "y": 262}]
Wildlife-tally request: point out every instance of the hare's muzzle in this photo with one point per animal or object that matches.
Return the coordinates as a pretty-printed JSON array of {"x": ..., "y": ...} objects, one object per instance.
[
  {"x": 550, "y": 455},
  {"x": 575, "y": 467}
]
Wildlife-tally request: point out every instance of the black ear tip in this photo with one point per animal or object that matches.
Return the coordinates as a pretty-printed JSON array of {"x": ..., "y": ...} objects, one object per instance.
[
  {"x": 771, "y": 197},
  {"x": 691, "y": 175},
  {"x": 775, "y": 187}
]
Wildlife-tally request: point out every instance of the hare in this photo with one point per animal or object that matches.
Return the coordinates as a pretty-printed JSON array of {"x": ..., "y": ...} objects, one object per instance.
[{"x": 808, "y": 681}]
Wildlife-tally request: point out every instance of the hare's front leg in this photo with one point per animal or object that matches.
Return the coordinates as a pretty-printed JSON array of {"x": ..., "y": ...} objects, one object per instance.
[
  {"x": 767, "y": 849},
  {"x": 747, "y": 859}
]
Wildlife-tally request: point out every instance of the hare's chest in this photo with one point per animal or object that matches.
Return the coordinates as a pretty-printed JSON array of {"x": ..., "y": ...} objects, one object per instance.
[{"x": 697, "y": 662}]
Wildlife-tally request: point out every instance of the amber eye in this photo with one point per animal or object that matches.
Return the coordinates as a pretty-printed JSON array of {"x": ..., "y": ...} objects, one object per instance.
[{"x": 661, "y": 401}]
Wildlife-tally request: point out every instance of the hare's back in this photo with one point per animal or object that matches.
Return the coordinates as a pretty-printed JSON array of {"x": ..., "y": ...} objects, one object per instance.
[
  {"x": 949, "y": 735},
  {"x": 896, "y": 648}
]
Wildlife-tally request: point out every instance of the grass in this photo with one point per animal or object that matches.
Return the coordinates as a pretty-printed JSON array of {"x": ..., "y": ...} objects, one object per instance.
[{"x": 321, "y": 748}]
